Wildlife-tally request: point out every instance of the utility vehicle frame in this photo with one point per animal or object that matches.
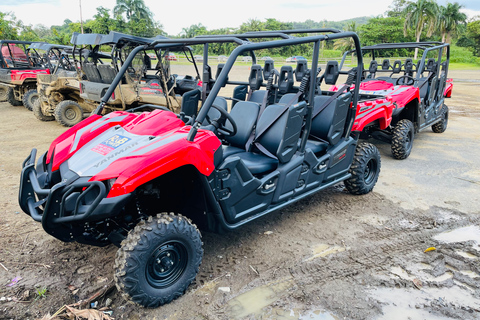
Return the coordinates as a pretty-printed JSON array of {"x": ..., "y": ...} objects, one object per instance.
[
  {"x": 417, "y": 92},
  {"x": 115, "y": 178}
]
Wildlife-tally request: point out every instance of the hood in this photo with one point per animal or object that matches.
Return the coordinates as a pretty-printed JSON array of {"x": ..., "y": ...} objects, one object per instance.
[{"x": 95, "y": 129}]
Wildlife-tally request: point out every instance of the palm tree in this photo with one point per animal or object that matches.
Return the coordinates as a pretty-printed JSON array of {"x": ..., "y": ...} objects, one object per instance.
[
  {"x": 135, "y": 10},
  {"x": 450, "y": 18},
  {"x": 419, "y": 15}
]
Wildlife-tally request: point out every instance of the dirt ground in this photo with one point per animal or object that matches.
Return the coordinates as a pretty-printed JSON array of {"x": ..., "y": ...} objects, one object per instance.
[{"x": 331, "y": 256}]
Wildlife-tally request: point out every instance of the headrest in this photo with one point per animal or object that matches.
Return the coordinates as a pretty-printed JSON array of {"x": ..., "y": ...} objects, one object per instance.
[
  {"x": 331, "y": 72},
  {"x": 385, "y": 64},
  {"x": 300, "y": 70},
  {"x": 373, "y": 66},
  {"x": 285, "y": 80},
  {"x": 220, "y": 67},
  {"x": 255, "y": 78},
  {"x": 268, "y": 69},
  {"x": 397, "y": 66}
]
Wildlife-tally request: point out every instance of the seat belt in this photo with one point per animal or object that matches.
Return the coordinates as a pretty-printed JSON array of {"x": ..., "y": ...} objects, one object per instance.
[{"x": 333, "y": 97}]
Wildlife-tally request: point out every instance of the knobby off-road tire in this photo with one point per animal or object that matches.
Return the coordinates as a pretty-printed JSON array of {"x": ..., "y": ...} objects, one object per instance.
[
  {"x": 3, "y": 93},
  {"x": 68, "y": 113},
  {"x": 29, "y": 98},
  {"x": 11, "y": 98},
  {"x": 441, "y": 126},
  {"x": 37, "y": 111},
  {"x": 402, "y": 139},
  {"x": 158, "y": 260},
  {"x": 365, "y": 169}
]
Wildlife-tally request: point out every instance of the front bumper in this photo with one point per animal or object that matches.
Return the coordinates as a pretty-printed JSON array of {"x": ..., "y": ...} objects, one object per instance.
[{"x": 62, "y": 205}]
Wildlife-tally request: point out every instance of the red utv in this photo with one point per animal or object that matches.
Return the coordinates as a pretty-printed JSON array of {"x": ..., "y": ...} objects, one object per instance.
[
  {"x": 416, "y": 91},
  {"x": 144, "y": 180},
  {"x": 18, "y": 71}
]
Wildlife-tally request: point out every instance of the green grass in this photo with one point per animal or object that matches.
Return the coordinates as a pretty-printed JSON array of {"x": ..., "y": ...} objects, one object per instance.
[
  {"x": 41, "y": 293},
  {"x": 463, "y": 66}
]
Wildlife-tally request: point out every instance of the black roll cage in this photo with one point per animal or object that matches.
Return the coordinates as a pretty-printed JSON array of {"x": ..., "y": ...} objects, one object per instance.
[
  {"x": 244, "y": 45},
  {"x": 427, "y": 46}
]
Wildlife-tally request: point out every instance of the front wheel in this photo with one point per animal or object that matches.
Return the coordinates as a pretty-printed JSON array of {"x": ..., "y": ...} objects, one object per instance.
[
  {"x": 68, "y": 113},
  {"x": 29, "y": 98},
  {"x": 38, "y": 112},
  {"x": 365, "y": 169},
  {"x": 441, "y": 126},
  {"x": 11, "y": 98},
  {"x": 402, "y": 139},
  {"x": 158, "y": 260}
]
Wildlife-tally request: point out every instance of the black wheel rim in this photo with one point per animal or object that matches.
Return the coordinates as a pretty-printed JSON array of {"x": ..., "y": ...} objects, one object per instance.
[
  {"x": 370, "y": 171},
  {"x": 167, "y": 264}
]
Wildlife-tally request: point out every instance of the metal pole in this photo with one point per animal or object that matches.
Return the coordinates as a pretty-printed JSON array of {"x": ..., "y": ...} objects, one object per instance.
[{"x": 81, "y": 19}]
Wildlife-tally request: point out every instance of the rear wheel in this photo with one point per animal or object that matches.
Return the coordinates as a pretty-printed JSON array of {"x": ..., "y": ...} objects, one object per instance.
[
  {"x": 158, "y": 260},
  {"x": 29, "y": 98},
  {"x": 37, "y": 111},
  {"x": 68, "y": 113},
  {"x": 3, "y": 92},
  {"x": 365, "y": 169},
  {"x": 11, "y": 98},
  {"x": 441, "y": 126},
  {"x": 402, "y": 139}
]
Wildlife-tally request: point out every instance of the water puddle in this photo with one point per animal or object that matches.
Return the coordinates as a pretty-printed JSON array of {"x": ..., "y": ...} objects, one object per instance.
[
  {"x": 294, "y": 314},
  {"x": 470, "y": 233},
  {"x": 470, "y": 273},
  {"x": 414, "y": 304},
  {"x": 252, "y": 302},
  {"x": 467, "y": 255},
  {"x": 323, "y": 250}
]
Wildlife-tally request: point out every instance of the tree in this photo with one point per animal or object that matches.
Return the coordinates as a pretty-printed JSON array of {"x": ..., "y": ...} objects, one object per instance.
[
  {"x": 473, "y": 32},
  {"x": 8, "y": 26},
  {"x": 383, "y": 30},
  {"x": 193, "y": 30},
  {"x": 347, "y": 43},
  {"x": 419, "y": 15},
  {"x": 135, "y": 10},
  {"x": 450, "y": 18}
]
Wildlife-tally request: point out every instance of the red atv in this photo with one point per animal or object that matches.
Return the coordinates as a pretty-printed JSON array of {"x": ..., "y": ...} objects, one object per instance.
[
  {"x": 416, "y": 93},
  {"x": 116, "y": 178},
  {"x": 18, "y": 72}
]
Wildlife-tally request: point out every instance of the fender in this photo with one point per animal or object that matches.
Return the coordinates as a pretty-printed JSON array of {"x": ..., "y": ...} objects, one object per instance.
[
  {"x": 19, "y": 76},
  {"x": 369, "y": 111}
]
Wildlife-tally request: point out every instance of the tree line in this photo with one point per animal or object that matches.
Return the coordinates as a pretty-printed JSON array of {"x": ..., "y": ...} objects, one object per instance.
[{"x": 405, "y": 21}]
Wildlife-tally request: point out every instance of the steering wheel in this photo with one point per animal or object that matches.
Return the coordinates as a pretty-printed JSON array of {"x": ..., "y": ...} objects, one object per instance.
[
  {"x": 409, "y": 80},
  {"x": 219, "y": 123}
]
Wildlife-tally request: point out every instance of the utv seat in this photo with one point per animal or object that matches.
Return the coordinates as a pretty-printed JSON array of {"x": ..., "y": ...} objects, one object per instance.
[
  {"x": 107, "y": 73},
  {"x": 408, "y": 67},
  {"x": 385, "y": 64},
  {"x": 245, "y": 116},
  {"x": 372, "y": 69},
  {"x": 91, "y": 72},
  {"x": 278, "y": 138},
  {"x": 328, "y": 125},
  {"x": 285, "y": 80},
  {"x": 190, "y": 101}
]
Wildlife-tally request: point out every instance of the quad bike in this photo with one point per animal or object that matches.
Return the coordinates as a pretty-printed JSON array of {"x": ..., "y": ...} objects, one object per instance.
[
  {"x": 409, "y": 100},
  {"x": 149, "y": 181}
]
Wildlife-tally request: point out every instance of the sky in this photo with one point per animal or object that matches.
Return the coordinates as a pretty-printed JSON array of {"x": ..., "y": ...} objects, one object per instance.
[{"x": 212, "y": 14}]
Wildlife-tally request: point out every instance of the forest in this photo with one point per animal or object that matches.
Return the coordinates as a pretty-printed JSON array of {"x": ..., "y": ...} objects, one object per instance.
[{"x": 405, "y": 21}]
